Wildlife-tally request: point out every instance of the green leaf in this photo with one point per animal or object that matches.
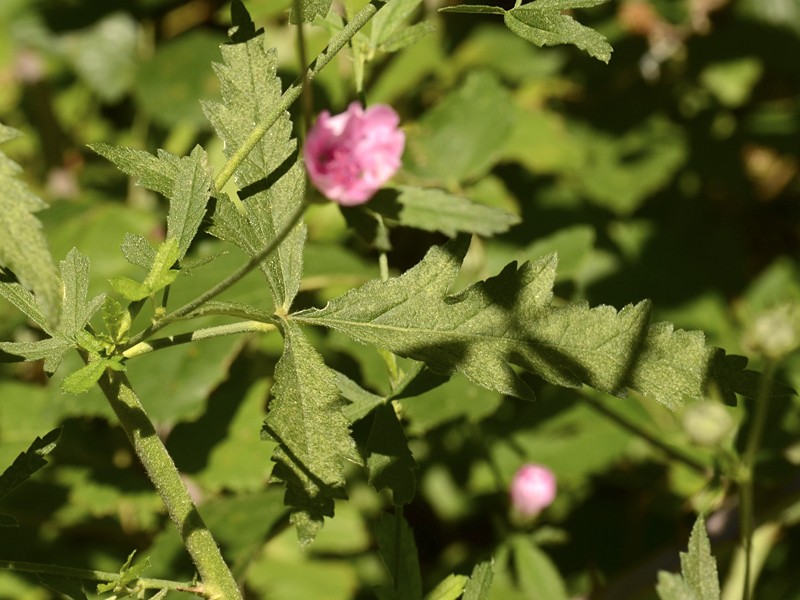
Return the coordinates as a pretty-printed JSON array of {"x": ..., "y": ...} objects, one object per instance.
[
  {"x": 270, "y": 180},
  {"x": 480, "y": 582},
  {"x": 698, "y": 579},
  {"x": 71, "y": 588},
  {"x": 305, "y": 418},
  {"x": 542, "y": 23},
  {"x": 390, "y": 19},
  {"x": 157, "y": 173},
  {"x": 509, "y": 319},
  {"x": 399, "y": 553},
  {"x": 138, "y": 251},
  {"x": 25, "y": 302},
  {"x": 77, "y": 310},
  {"x": 188, "y": 198},
  {"x": 309, "y": 10},
  {"x": 127, "y": 574},
  {"x": 436, "y": 210},
  {"x": 161, "y": 272},
  {"x": 538, "y": 576},
  {"x": 389, "y": 461},
  {"x": 83, "y": 379},
  {"x": 117, "y": 320},
  {"x": 129, "y": 289},
  {"x": 25, "y": 465},
  {"x": 362, "y": 402},
  {"x": 449, "y": 588},
  {"x": 186, "y": 182},
  {"x": 105, "y": 55},
  {"x": 23, "y": 247},
  {"x": 75, "y": 314},
  {"x": 462, "y": 137}
]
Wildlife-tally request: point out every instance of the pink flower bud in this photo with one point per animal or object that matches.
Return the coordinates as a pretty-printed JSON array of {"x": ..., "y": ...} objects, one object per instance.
[
  {"x": 533, "y": 489},
  {"x": 351, "y": 155}
]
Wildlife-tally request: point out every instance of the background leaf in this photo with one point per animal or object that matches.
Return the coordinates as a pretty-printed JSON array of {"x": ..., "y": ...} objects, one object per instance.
[
  {"x": 399, "y": 553},
  {"x": 389, "y": 461},
  {"x": 436, "y": 210}
]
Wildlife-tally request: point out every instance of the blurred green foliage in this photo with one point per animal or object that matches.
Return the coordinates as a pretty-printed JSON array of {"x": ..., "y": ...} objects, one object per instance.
[{"x": 670, "y": 174}]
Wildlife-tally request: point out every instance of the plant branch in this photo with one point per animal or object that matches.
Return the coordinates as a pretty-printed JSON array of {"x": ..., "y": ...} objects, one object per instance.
[
  {"x": 294, "y": 91},
  {"x": 143, "y": 583},
  {"x": 200, "y": 334},
  {"x": 215, "y": 574},
  {"x": 226, "y": 283},
  {"x": 637, "y": 429}
]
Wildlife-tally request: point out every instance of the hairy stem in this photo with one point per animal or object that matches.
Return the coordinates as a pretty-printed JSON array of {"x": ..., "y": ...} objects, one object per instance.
[
  {"x": 142, "y": 583},
  {"x": 200, "y": 334},
  {"x": 747, "y": 509},
  {"x": 217, "y": 578},
  {"x": 294, "y": 91}
]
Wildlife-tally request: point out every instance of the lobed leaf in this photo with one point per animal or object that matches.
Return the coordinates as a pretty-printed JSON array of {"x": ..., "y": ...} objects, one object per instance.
[
  {"x": 541, "y": 23},
  {"x": 188, "y": 198},
  {"x": 271, "y": 181},
  {"x": 309, "y": 10},
  {"x": 23, "y": 247},
  {"x": 698, "y": 579},
  {"x": 156, "y": 173},
  {"x": 305, "y": 418},
  {"x": 509, "y": 320},
  {"x": 480, "y": 581},
  {"x": 25, "y": 302}
]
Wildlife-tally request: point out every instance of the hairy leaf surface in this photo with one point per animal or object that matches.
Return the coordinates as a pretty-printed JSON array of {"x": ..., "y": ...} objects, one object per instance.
[
  {"x": 698, "y": 579},
  {"x": 75, "y": 314},
  {"x": 23, "y": 247},
  {"x": 305, "y": 418},
  {"x": 542, "y": 23},
  {"x": 270, "y": 180},
  {"x": 509, "y": 319}
]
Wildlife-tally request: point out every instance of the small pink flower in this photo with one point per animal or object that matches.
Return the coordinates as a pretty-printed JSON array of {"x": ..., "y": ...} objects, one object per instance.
[
  {"x": 351, "y": 155},
  {"x": 532, "y": 490}
]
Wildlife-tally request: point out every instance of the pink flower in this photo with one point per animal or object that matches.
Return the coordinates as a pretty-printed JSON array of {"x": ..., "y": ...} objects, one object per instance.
[
  {"x": 532, "y": 490},
  {"x": 351, "y": 155}
]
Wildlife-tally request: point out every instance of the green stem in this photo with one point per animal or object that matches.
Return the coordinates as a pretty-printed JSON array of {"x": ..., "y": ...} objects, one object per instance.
[
  {"x": 226, "y": 283},
  {"x": 747, "y": 508},
  {"x": 294, "y": 91},
  {"x": 200, "y": 334},
  {"x": 637, "y": 429},
  {"x": 142, "y": 583},
  {"x": 217, "y": 578}
]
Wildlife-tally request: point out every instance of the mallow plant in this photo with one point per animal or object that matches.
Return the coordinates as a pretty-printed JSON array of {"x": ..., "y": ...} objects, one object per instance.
[{"x": 497, "y": 333}]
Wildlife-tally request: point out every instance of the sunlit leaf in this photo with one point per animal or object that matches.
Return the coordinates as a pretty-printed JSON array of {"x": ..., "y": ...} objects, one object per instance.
[
  {"x": 270, "y": 180},
  {"x": 23, "y": 247},
  {"x": 305, "y": 418},
  {"x": 542, "y": 23},
  {"x": 509, "y": 319}
]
